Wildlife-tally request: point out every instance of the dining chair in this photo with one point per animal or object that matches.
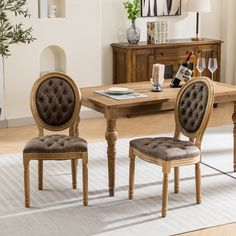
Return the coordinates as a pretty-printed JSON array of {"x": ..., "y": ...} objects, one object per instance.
[
  {"x": 55, "y": 104},
  {"x": 192, "y": 111}
]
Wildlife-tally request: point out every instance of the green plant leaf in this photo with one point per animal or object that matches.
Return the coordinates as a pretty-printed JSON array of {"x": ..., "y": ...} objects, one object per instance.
[
  {"x": 10, "y": 33},
  {"x": 133, "y": 9}
]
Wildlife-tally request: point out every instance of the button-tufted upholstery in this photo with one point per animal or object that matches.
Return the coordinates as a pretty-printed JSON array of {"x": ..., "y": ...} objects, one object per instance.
[
  {"x": 192, "y": 106},
  {"x": 55, "y": 144},
  {"x": 165, "y": 148},
  {"x": 55, "y": 101}
]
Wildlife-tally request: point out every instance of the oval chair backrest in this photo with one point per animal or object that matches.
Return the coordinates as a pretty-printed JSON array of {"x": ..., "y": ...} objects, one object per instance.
[
  {"x": 55, "y": 101},
  {"x": 193, "y": 106}
]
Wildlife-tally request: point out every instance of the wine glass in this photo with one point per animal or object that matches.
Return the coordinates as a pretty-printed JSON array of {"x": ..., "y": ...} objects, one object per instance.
[
  {"x": 201, "y": 65},
  {"x": 212, "y": 66}
]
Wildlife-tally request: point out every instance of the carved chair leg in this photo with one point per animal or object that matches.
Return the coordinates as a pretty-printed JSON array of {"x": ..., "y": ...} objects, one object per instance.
[
  {"x": 166, "y": 171},
  {"x": 27, "y": 182},
  {"x": 40, "y": 174},
  {"x": 131, "y": 173},
  {"x": 176, "y": 177},
  {"x": 198, "y": 183},
  {"x": 85, "y": 179},
  {"x": 74, "y": 163}
]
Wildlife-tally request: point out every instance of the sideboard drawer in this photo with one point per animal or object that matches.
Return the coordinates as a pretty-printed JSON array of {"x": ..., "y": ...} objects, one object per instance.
[
  {"x": 173, "y": 52},
  {"x": 165, "y": 53}
]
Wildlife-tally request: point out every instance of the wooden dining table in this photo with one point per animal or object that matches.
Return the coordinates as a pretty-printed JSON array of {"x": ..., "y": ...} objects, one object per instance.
[{"x": 153, "y": 102}]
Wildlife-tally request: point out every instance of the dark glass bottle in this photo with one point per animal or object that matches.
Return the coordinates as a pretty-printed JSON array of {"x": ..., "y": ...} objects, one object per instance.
[{"x": 175, "y": 83}]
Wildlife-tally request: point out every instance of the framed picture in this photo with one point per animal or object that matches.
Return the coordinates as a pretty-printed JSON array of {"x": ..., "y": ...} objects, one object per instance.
[{"x": 160, "y": 8}]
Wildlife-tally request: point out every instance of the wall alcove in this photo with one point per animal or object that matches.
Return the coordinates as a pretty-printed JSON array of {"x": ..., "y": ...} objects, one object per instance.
[
  {"x": 44, "y": 7},
  {"x": 52, "y": 58}
]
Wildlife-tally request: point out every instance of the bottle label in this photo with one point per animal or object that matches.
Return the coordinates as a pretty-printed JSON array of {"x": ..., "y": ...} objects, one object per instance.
[{"x": 181, "y": 72}]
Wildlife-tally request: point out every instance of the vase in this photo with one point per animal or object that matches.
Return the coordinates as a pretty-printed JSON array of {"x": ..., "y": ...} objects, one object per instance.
[{"x": 133, "y": 34}]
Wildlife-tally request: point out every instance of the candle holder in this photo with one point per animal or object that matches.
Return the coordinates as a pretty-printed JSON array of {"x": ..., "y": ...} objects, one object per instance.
[
  {"x": 157, "y": 79},
  {"x": 157, "y": 86}
]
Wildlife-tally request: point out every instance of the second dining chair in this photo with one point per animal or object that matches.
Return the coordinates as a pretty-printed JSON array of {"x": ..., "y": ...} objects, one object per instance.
[{"x": 192, "y": 111}]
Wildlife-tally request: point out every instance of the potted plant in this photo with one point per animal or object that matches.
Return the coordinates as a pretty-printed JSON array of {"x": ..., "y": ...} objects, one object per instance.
[
  {"x": 12, "y": 33},
  {"x": 133, "y": 10}
]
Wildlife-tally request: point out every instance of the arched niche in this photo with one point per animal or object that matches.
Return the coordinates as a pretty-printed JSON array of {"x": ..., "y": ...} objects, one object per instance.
[
  {"x": 52, "y": 58},
  {"x": 51, "y": 9}
]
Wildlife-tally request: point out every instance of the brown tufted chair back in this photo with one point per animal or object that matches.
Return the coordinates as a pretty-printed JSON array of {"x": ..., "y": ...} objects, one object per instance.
[
  {"x": 56, "y": 102},
  {"x": 193, "y": 106}
]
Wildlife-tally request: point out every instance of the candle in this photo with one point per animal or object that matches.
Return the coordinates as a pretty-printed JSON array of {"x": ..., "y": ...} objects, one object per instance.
[{"x": 158, "y": 71}]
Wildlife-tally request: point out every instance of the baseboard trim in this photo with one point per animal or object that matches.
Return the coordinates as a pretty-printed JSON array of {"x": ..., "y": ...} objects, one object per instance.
[
  {"x": 20, "y": 122},
  {"x": 3, "y": 123},
  {"x": 84, "y": 114}
]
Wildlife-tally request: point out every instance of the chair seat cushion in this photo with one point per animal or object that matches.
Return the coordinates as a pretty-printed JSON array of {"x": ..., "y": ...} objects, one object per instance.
[
  {"x": 55, "y": 144},
  {"x": 165, "y": 148}
]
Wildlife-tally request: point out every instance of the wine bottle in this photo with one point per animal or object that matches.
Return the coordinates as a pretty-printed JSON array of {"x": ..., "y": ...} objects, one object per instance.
[{"x": 175, "y": 83}]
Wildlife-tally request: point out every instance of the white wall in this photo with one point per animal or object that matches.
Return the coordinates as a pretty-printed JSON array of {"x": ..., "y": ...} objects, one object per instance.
[
  {"x": 115, "y": 23},
  {"x": 228, "y": 32},
  {"x": 85, "y": 35},
  {"x": 2, "y": 96},
  {"x": 79, "y": 34},
  {"x": 211, "y": 22}
]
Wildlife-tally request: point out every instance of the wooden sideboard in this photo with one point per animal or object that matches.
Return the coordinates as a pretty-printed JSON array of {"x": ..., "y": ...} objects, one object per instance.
[{"x": 133, "y": 63}]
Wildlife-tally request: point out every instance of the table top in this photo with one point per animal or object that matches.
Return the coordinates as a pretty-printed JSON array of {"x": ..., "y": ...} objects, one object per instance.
[{"x": 222, "y": 93}]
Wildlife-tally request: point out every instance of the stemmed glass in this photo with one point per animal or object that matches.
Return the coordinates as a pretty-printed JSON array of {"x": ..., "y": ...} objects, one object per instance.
[
  {"x": 212, "y": 66},
  {"x": 201, "y": 65}
]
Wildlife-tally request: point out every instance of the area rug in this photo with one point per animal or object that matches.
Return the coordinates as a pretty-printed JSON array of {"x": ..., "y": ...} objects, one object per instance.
[{"x": 58, "y": 210}]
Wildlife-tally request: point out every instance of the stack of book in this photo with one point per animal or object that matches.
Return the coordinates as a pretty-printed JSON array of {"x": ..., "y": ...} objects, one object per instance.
[{"x": 157, "y": 32}]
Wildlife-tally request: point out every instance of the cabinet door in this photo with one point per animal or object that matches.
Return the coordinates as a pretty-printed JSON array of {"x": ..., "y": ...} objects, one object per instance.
[
  {"x": 142, "y": 61},
  {"x": 172, "y": 58},
  {"x": 172, "y": 66},
  {"x": 120, "y": 66}
]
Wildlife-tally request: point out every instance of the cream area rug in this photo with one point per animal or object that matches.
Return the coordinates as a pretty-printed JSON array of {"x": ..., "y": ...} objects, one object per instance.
[{"x": 58, "y": 210}]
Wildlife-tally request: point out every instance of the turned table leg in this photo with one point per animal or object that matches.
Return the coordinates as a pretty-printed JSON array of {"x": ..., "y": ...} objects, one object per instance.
[
  {"x": 234, "y": 134},
  {"x": 111, "y": 137}
]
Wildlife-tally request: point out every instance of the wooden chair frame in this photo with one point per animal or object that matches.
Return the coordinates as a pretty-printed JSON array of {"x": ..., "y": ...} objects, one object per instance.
[
  {"x": 72, "y": 124},
  {"x": 195, "y": 137}
]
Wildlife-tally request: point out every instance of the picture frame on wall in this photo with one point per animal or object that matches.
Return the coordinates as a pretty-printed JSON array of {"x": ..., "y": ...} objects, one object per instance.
[{"x": 154, "y": 8}]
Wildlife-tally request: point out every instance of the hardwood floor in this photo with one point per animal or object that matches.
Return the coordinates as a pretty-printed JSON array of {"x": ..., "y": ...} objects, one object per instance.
[
  {"x": 13, "y": 140},
  {"x": 226, "y": 230}
]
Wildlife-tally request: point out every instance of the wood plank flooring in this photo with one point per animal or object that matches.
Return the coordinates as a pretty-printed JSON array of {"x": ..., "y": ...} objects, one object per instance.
[{"x": 13, "y": 140}]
